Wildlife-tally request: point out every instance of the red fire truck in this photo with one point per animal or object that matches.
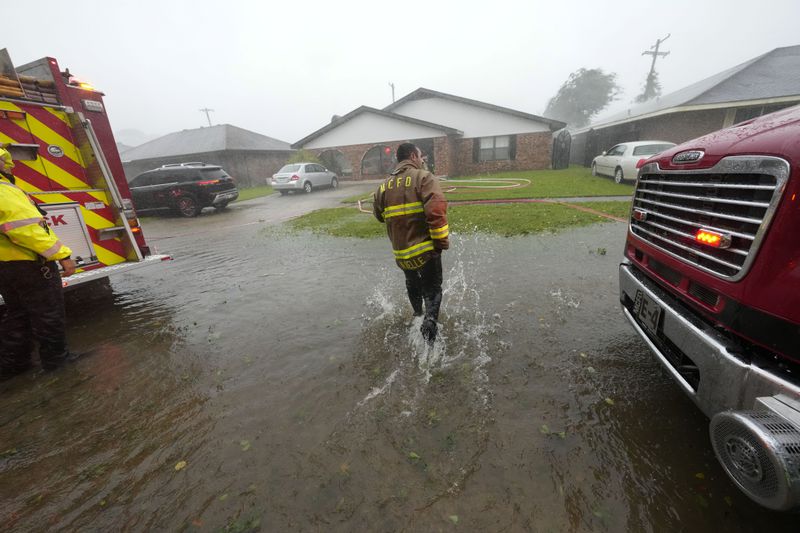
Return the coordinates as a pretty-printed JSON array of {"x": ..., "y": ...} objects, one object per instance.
[
  {"x": 59, "y": 136},
  {"x": 711, "y": 282}
]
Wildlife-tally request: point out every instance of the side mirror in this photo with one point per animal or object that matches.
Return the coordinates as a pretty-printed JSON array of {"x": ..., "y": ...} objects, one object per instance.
[{"x": 604, "y": 153}]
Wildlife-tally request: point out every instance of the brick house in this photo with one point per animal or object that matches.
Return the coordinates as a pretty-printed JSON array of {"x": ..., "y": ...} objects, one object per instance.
[
  {"x": 756, "y": 87},
  {"x": 459, "y": 136},
  {"x": 249, "y": 157}
]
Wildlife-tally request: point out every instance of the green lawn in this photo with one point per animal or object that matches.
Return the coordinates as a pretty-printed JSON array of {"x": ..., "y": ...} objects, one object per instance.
[
  {"x": 254, "y": 192},
  {"x": 574, "y": 181},
  {"x": 340, "y": 222},
  {"x": 617, "y": 209},
  {"x": 500, "y": 219}
]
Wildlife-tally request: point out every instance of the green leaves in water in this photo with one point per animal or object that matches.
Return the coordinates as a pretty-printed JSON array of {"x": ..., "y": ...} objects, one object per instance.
[
  {"x": 545, "y": 430},
  {"x": 9, "y": 453},
  {"x": 247, "y": 525}
]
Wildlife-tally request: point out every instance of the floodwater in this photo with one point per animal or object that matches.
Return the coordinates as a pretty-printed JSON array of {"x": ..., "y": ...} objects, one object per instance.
[{"x": 265, "y": 380}]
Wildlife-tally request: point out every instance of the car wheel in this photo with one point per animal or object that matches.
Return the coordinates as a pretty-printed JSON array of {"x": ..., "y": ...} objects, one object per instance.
[
  {"x": 307, "y": 187},
  {"x": 618, "y": 177},
  {"x": 187, "y": 206},
  {"x": 594, "y": 169},
  {"x": 334, "y": 183},
  {"x": 283, "y": 193}
]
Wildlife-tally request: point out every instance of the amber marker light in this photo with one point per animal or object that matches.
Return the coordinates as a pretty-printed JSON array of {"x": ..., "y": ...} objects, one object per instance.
[{"x": 712, "y": 238}]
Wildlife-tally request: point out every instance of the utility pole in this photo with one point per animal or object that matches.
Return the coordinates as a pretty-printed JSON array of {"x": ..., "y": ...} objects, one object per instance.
[
  {"x": 649, "y": 88},
  {"x": 207, "y": 111},
  {"x": 392, "y": 86}
]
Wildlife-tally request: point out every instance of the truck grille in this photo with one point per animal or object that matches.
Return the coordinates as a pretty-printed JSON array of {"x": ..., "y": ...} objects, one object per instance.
[{"x": 737, "y": 197}]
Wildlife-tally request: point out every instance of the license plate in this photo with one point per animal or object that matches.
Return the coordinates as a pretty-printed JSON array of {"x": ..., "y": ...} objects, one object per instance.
[{"x": 647, "y": 311}]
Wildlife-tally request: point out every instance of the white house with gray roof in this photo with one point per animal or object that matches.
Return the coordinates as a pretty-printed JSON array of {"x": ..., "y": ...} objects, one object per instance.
[{"x": 458, "y": 135}]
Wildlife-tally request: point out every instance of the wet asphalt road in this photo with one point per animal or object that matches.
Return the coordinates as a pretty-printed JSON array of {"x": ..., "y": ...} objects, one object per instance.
[{"x": 270, "y": 380}]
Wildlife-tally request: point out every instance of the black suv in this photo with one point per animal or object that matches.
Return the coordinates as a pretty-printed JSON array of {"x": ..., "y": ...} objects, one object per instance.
[{"x": 185, "y": 188}]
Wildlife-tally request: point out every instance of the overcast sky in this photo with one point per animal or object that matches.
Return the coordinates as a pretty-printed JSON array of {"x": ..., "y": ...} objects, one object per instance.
[{"x": 284, "y": 68}]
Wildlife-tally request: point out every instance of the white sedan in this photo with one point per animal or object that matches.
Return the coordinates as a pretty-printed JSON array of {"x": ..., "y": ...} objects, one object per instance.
[
  {"x": 620, "y": 161},
  {"x": 303, "y": 177}
]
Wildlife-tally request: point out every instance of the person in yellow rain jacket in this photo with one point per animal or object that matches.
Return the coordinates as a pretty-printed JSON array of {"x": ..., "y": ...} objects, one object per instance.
[
  {"x": 411, "y": 203},
  {"x": 30, "y": 283},
  {"x": 6, "y": 163}
]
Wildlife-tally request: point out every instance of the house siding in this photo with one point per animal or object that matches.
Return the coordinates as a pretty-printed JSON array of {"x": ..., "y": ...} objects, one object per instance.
[
  {"x": 471, "y": 120},
  {"x": 361, "y": 129}
]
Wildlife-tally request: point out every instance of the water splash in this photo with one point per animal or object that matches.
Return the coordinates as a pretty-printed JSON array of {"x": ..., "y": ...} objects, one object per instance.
[
  {"x": 377, "y": 391},
  {"x": 462, "y": 340}
]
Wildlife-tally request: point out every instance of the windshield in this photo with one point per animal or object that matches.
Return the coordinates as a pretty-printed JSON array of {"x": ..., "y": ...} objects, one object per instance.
[
  {"x": 651, "y": 149},
  {"x": 213, "y": 173},
  {"x": 289, "y": 168}
]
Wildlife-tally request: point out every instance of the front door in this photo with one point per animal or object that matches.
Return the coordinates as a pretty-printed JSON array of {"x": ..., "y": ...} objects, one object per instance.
[{"x": 426, "y": 145}]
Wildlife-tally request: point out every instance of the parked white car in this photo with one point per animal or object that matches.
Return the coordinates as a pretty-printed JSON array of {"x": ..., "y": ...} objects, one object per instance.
[
  {"x": 620, "y": 161},
  {"x": 303, "y": 177}
]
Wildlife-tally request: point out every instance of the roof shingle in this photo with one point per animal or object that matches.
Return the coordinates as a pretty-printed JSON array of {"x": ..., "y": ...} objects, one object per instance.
[{"x": 203, "y": 140}]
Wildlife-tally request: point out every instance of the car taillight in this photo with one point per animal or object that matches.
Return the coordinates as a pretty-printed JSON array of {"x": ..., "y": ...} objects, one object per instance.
[
  {"x": 294, "y": 178},
  {"x": 209, "y": 182},
  {"x": 640, "y": 163}
]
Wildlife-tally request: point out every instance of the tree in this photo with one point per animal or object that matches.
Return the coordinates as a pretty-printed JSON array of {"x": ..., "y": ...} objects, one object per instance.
[
  {"x": 582, "y": 96},
  {"x": 652, "y": 88}
]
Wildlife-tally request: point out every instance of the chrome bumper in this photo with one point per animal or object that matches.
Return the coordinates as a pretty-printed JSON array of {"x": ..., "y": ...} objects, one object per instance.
[
  {"x": 726, "y": 381},
  {"x": 227, "y": 196}
]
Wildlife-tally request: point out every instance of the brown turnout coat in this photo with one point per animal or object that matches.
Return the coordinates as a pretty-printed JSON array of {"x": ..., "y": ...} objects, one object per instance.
[{"x": 411, "y": 203}]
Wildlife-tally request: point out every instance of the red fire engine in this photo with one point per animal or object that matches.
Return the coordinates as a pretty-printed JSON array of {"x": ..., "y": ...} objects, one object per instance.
[
  {"x": 59, "y": 136},
  {"x": 711, "y": 282}
]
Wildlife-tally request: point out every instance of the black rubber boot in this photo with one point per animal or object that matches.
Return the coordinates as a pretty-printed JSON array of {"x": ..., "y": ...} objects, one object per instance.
[{"x": 429, "y": 329}]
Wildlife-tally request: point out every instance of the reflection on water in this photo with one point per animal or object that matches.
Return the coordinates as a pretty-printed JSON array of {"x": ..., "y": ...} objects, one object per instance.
[{"x": 280, "y": 382}]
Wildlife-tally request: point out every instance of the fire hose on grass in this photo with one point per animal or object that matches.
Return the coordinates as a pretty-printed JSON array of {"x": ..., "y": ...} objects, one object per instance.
[
  {"x": 498, "y": 184},
  {"x": 480, "y": 183}
]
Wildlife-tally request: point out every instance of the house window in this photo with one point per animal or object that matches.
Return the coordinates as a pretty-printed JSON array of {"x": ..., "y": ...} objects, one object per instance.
[{"x": 495, "y": 148}]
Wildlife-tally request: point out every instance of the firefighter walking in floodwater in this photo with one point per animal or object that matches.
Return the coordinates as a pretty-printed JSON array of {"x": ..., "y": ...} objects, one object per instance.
[
  {"x": 30, "y": 283},
  {"x": 411, "y": 203}
]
